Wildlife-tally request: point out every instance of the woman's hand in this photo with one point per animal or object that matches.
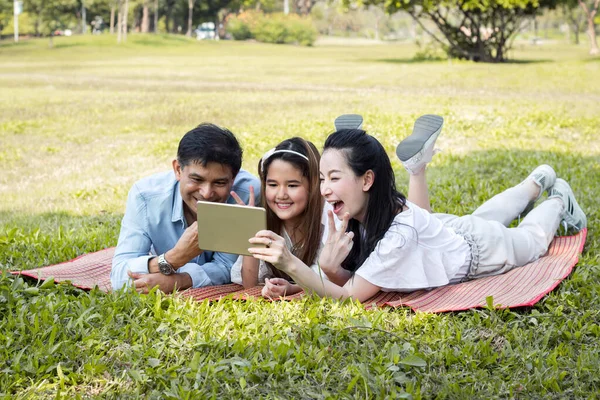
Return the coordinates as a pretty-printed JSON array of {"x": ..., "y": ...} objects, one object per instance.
[
  {"x": 274, "y": 252},
  {"x": 238, "y": 199},
  {"x": 250, "y": 266},
  {"x": 337, "y": 247}
]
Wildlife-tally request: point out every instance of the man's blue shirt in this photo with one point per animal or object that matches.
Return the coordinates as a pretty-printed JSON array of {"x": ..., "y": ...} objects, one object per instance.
[{"x": 154, "y": 222}]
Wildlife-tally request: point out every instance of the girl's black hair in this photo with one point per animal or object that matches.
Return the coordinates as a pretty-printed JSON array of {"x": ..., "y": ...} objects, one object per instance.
[{"x": 363, "y": 152}]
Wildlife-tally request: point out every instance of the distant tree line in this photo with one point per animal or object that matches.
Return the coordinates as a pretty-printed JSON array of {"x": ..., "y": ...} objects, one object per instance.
[
  {"x": 468, "y": 29},
  {"x": 171, "y": 16}
]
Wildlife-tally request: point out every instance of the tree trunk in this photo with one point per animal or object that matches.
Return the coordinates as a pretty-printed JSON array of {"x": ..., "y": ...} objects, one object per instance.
[
  {"x": 83, "y": 18},
  {"x": 592, "y": 34},
  {"x": 155, "y": 16},
  {"x": 190, "y": 15},
  {"x": 286, "y": 7},
  {"x": 112, "y": 19},
  {"x": 125, "y": 14},
  {"x": 145, "y": 19},
  {"x": 590, "y": 14},
  {"x": 575, "y": 25},
  {"x": 36, "y": 26},
  {"x": 119, "y": 21}
]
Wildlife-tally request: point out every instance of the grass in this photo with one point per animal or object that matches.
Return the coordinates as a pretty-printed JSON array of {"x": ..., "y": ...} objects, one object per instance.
[{"x": 81, "y": 122}]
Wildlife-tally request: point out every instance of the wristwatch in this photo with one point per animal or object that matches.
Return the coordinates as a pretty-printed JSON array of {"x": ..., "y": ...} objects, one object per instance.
[{"x": 164, "y": 266}]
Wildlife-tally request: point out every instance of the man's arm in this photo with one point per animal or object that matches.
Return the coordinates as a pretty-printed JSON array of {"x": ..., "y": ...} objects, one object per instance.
[
  {"x": 215, "y": 272},
  {"x": 133, "y": 248},
  {"x": 132, "y": 257},
  {"x": 166, "y": 283}
]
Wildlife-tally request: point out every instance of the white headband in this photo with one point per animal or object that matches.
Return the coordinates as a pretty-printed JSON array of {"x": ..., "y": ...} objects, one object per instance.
[{"x": 269, "y": 153}]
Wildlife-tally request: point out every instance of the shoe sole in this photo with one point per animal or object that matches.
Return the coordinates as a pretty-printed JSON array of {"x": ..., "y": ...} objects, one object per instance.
[
  {"x": 426, "y": 129},
  {"x": 572, "y": 206},
  {"x": 348, "y": 121}
]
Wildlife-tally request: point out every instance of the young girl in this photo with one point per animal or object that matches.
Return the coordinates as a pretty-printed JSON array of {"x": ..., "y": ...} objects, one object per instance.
[
  {"x": 289, "y": 176},
  {"x": 392, "y": 243}
]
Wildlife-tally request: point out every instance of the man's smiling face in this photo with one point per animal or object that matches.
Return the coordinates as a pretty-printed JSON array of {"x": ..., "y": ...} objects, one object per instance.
[{"x": 212, "y": 182}]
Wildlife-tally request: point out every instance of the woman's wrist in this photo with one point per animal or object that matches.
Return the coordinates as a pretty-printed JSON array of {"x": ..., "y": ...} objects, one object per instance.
[
  {"x": 290, "y": 267},
  {"x": 337, "y": 274},
  {"x": 328, "y": 268}
]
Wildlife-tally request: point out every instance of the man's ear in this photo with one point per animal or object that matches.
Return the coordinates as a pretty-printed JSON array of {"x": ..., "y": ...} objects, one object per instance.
[
  {"x": 368, "y": 179},
  {"x": 177, "y": 168}
]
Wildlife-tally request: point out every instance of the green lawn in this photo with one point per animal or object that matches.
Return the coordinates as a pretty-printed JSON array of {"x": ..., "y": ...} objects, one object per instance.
[{"x": 81, "y": 122}]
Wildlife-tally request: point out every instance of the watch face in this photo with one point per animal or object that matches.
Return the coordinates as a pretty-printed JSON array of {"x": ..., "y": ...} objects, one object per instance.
[{"x": 164, "y": 267}]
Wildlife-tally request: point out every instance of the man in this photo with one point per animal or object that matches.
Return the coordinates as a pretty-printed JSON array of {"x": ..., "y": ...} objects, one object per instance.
[{"x": 158, "y": 243}]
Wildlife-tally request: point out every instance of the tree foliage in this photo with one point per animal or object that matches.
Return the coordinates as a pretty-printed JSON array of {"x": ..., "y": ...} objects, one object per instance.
[
  {"x": 478, "y": 30},
  {"x": 50, "y": 14},
  {"x": 6, "y": 13}
]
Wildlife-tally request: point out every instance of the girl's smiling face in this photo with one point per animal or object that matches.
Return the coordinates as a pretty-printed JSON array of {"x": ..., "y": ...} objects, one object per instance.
[
  {"x": 286, "y": 191},
  {"x": 341, "y": 188}
]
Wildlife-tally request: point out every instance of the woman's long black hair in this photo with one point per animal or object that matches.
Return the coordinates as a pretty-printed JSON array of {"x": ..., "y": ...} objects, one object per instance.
[{"x": 363, "y": 152}]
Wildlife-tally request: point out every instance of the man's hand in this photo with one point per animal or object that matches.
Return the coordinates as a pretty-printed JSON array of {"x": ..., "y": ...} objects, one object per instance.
[
  {"x": 277, "y": 287},
  {"x": 186, "y": 248},
  {"x": 166, "y": 283}
]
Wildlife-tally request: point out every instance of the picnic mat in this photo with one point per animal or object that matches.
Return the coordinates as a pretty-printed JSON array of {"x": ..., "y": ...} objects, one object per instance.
[{"x": 520, "y": 287}]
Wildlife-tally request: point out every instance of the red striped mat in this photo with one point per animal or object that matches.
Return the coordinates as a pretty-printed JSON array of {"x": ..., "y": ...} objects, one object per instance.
[{"x": 518, "y": 288}]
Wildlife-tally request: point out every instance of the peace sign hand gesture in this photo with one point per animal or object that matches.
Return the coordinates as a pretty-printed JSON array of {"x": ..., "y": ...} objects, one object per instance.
[
  {"x": 238, "y": 199},
  {"x": 338, "y": 245}
]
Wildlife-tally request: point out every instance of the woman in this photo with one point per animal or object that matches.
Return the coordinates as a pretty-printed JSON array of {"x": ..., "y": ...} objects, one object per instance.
[
  {"x": 387, "y": 242},
  {"x": 290, "y": 191}
]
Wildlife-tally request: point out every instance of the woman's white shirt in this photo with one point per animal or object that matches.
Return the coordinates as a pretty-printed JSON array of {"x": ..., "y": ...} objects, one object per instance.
[
  {"x": 265, "y": 272},
  {"x": 417, "y": 252}
]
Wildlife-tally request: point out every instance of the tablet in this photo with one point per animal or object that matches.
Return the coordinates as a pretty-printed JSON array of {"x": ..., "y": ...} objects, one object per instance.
[{"x": 227, "y": 227}]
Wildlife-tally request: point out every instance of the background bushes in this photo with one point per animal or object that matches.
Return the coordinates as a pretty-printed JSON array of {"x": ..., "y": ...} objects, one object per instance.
[{"x": 272, "y": 28}]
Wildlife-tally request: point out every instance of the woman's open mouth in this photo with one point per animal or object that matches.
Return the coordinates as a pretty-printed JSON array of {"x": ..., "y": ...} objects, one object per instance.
[{"x": 337, "y": 206}]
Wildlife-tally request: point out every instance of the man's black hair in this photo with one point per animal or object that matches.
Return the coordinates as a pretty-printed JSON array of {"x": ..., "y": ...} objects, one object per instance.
[{"x": 210, "y": 143}]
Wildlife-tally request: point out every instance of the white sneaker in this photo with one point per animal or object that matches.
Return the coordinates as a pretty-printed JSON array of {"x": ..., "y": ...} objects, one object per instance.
[
  {"x": 573, "y": 216},
  {"x": 544, "y": 176},
  {"x": 417, "y": 150},
  {"x": 348, "y": 121}
]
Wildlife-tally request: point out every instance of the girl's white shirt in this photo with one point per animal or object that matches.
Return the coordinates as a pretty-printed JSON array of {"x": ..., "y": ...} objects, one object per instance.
[
  {"x": 417, "y": 252},
  {"x": 264, "y": 271}
]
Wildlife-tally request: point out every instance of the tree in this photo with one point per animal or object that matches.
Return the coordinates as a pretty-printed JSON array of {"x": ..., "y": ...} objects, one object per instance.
[
  {"x": 145, "y": 25},
  {"x": 190, "y": 15},
  {"x": 470, "y": 29},
  {"x": 50, "y": 15},
  {"x": 155, "y": 16},
  {"x": 590, "y": 8},
  {"x": 125, "y": 17},
  {"x": 574, "y": 16},
  {"x": 6, "y": 13}
]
